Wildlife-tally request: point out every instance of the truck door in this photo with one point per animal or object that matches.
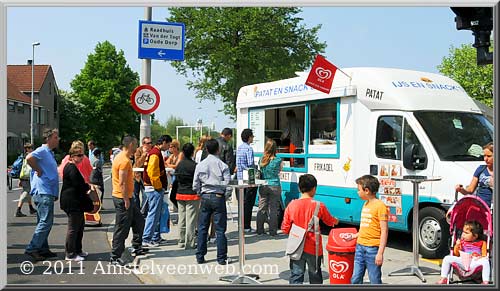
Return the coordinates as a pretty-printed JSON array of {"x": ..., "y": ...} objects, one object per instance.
[{"x": 393, "y": 135}]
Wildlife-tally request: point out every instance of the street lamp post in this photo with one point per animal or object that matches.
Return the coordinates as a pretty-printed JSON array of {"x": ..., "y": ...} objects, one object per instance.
[{"x": 32, "y": 126}]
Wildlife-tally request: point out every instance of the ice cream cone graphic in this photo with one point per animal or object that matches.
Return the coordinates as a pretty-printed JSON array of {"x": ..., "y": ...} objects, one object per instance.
[{"x": 346, "y": 167}]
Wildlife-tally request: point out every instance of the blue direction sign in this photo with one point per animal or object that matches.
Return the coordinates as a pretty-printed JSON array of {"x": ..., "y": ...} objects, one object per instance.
[{"x": 161, "y": 40}]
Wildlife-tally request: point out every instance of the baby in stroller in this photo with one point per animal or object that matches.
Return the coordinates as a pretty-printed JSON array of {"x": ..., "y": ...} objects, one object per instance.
[{"x": 471, "y": 249}]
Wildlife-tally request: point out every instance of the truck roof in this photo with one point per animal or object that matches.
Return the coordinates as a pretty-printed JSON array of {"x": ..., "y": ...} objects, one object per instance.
[{"x": 376, "y": 88}]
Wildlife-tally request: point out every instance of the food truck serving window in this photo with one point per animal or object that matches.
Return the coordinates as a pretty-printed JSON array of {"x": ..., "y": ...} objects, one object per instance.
[
  {"x": 323, "y": 128},
  {"x": 285, "y": 125}
]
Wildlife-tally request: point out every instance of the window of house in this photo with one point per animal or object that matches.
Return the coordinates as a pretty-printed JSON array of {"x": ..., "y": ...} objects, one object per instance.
[
  {"x": 323, "y": 128},
  {"x": 20, "y": 108},
  {"x": 388, "y": 139},
  {"x": 36, "y": 117},
  {"x": 43, "y": 116},
  {"x": 12, "y": 106}
]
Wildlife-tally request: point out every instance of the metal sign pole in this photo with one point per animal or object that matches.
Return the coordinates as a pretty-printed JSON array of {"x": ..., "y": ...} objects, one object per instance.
[{"x": 145, "y": 127}]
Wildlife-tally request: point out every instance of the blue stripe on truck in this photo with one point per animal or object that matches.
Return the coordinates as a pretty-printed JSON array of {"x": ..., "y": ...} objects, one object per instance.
[{"x": 334, "y": 199}]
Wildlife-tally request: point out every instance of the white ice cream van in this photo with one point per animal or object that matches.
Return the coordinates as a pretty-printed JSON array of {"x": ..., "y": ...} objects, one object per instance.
[{"x": 383, "y": 122}]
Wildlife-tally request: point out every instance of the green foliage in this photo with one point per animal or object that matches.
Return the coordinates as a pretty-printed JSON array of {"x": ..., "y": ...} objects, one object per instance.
[
  {"x": 103, "y": 89},
  {"x": 461, "y": 66},
  {"x": 172, "y": 123},
  {"x": 71, "y": 126},
  {"x": 157, "y": 129},
  {"x": 228, "y": 48}
]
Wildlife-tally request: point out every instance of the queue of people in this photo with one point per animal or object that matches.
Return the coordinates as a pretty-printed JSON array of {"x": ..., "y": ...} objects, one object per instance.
[{"x": 203, "y": 189}]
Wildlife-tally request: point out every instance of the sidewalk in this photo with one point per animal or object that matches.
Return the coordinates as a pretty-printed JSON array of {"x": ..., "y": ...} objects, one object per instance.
[{"x": 265, "y": 256}]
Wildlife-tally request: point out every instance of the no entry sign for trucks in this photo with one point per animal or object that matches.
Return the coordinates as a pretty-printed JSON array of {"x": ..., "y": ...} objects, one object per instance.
[{"x": 145, "y": 99}]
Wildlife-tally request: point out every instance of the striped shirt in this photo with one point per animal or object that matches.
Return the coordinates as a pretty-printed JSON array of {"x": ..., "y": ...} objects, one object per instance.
[{"x": 244, "y": 159}]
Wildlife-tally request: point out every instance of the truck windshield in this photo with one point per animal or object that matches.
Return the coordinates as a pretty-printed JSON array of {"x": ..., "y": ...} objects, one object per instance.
[{"x": 456, "y": 136}]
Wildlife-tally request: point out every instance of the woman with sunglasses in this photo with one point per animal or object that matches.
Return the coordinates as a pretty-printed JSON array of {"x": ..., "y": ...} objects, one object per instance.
[{"x": 74, "y": 202}]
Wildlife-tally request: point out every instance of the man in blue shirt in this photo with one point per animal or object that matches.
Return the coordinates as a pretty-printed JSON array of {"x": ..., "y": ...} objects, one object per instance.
[
  {"x": 92, "y": 148},
  {"x": 45, "y": 190},
  {"x": 211, "y": 179},
  {"x": 245, "y": 160}
]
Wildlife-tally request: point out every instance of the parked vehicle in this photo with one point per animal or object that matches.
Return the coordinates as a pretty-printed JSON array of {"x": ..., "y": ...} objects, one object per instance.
[{"x": 379, "y": 121}]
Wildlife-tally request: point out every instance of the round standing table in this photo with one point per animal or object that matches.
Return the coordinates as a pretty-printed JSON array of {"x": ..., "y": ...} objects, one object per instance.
[
  {"x": 415, "y": 269},
  {"x": 242, "y": 278}
]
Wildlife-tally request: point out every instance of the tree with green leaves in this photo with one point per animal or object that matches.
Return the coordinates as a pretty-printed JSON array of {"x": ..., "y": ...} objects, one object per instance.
[
  {"x": 71, "y": 115},
  {"x": 227, "y": 48},
  {"x": 461, "y": 66},
  {"x": 103, "y": 88}
]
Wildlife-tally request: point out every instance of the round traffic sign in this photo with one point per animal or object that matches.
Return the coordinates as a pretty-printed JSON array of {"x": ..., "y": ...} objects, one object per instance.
[{"x": 145, "y": 99}]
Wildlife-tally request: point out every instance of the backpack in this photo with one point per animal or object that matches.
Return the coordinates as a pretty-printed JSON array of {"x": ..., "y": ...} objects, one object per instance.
[{"x": 15, "y": 171}]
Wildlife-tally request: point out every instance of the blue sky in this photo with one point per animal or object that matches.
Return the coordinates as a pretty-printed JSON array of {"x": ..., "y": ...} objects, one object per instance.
[{"x": 414, "y": 38}]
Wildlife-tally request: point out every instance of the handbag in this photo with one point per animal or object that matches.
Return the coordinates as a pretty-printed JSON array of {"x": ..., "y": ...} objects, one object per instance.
[
  {"x": 297, "y": 237},
  {"x": 92, "y": 203},
  {"x": 25, "y": 171}
]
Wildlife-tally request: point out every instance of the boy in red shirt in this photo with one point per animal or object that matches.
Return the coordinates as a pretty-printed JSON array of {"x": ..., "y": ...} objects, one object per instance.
[{"x": 300, "y": 212}]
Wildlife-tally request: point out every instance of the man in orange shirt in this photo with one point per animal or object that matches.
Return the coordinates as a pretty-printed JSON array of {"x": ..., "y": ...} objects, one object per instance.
[{"x": 127, "y": 213}]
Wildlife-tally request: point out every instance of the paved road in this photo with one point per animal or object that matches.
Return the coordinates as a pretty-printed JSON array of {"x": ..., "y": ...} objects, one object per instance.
[
  {"x": 58, "y": 271},
  {"x": 260, "y": 250}
]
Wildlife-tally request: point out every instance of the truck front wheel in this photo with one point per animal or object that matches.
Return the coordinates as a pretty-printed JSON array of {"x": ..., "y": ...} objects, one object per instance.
[{"x": 434, "y": 233}]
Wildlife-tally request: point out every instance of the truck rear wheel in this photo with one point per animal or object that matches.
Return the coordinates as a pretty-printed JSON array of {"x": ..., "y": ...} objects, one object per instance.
[{"x": 434, "y": 233}]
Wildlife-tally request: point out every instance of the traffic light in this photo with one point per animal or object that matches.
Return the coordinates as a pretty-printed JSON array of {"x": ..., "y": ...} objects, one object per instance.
[{"x": 480, "y": 21}]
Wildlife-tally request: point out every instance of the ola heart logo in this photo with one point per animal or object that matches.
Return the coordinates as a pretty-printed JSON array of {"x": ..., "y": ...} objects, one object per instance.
[
  {"x": 338, "y": 267},
  {"x": 323, "y": 73}
]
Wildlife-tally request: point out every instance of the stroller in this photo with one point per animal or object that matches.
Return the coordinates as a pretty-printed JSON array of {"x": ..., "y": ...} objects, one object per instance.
[{"x": 469, "y": 207}]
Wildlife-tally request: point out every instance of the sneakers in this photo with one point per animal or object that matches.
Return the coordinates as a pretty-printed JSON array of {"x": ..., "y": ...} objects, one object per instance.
[
  {"x": 117, "y": 261},
  {"x": 20, "y": 214},
  {"x": 76, "y": 258},
  {"x": 161, "y": 242},
  {"x": 83, "y": 254},
  {"x": 442, "y": 281},
  {"x": 139, "y": 252},
  {"x": 200, "y": 260},
  {"x": 249, "y": 230},
  {"x": 35, "y": 255},
  {"x": 485, "y": 283},
  {"x": 49, "y": 254},
  {"x": 226, "y": 262},
  {"x": 152, "y": 244}
]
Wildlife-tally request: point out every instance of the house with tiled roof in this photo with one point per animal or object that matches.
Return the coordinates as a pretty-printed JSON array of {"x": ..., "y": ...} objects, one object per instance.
[{"x": 46, "y": 104}]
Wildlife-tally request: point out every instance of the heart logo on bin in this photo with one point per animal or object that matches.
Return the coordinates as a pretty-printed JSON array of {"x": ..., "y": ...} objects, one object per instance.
[{"x": 338, "y": 267}]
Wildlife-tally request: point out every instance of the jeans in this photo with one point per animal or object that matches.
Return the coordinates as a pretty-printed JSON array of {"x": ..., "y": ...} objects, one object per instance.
[
  {"x": 44, "y": 222},
  {"x": 138, "y": 189},
  {"x": 124, "y": 219},
  {"x": 212, "y": 203},
  {"x": 298, "y": 268},
  {"x": 152, "y": 225},
  {"x": 364, "y": 258}
]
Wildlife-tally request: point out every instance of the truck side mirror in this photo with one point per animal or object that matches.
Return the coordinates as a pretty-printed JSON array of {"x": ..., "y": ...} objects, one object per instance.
[{"x": 412, "y": 159}]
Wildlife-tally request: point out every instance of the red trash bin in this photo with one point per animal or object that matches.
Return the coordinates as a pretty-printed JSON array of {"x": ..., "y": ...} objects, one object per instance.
[{"x": 341, "y": 255}]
